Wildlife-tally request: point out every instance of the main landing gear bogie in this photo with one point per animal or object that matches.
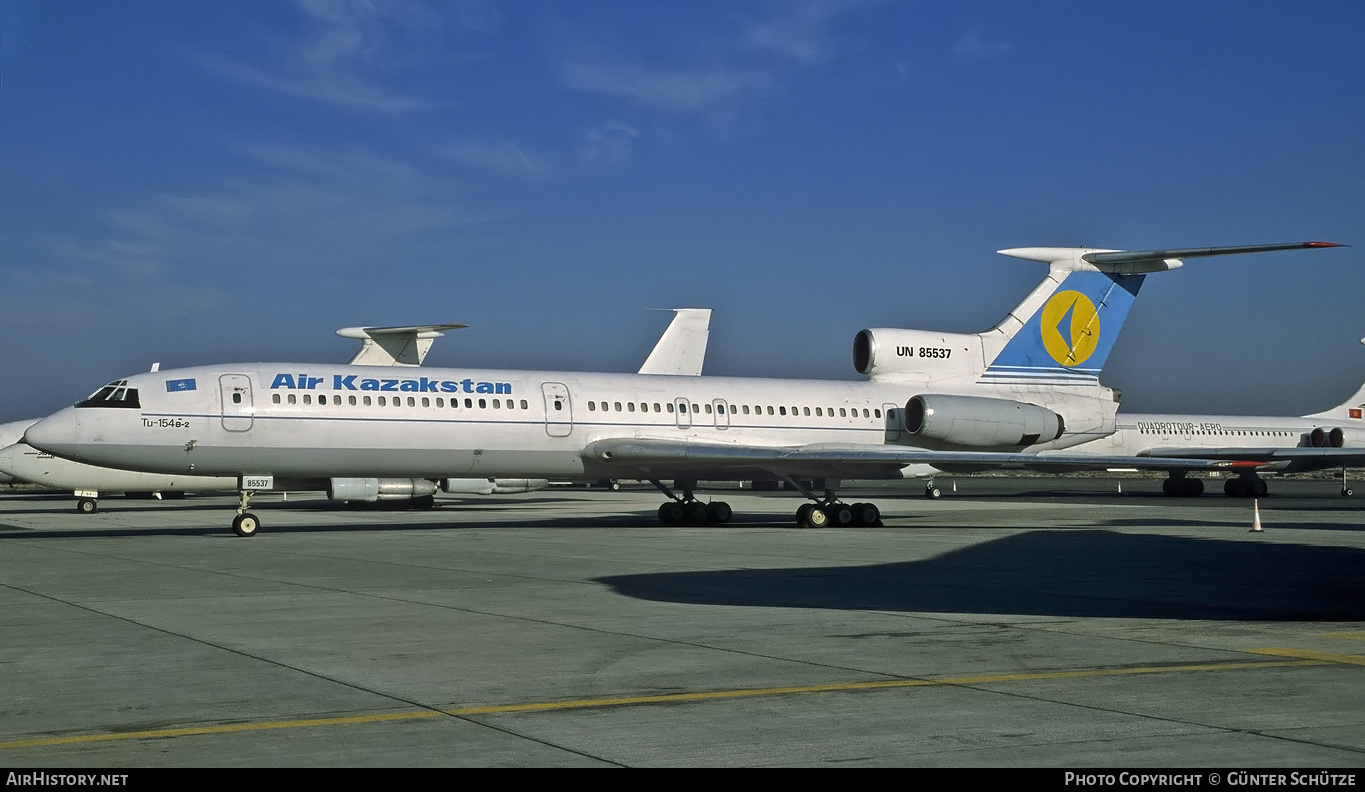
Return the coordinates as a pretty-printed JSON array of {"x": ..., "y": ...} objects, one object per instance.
[
  {"x": 838, "y": 515},
  {"x": 685, "y": 509},
  {"x": 694, "y": 512}
]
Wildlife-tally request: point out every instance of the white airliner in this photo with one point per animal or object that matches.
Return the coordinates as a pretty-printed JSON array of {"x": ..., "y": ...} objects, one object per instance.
[
  {"x": 1282, "y": 444},
  {"x": 992, "y": 399},
  {"x": 681, "y": 350}
]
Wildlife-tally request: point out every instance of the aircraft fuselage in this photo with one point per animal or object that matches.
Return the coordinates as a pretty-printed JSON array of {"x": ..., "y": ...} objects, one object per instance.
[{"x": 335, "y": 421}]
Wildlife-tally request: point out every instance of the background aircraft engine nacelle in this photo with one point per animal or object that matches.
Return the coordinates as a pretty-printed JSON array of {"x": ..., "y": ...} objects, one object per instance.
[
  {"x": 468, "y": 486},
  {"x": 497, "y": 486},
  {"x": 981, "y": 422},
  {"x": 1324, "y": 438},
  {"x": 915, "y": 354},
  {"x": 370, "y": 490}
]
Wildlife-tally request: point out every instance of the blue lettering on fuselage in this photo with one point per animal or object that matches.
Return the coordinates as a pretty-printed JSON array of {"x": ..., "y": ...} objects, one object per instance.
[{"x": 350, "y": 382}]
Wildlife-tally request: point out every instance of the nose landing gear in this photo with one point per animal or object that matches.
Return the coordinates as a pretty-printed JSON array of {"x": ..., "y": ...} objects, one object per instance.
[{"x": 245, "y": 523}]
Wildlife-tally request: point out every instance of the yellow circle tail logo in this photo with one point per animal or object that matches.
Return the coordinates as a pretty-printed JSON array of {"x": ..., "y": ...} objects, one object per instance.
[{"x": 1071, "y": 328}]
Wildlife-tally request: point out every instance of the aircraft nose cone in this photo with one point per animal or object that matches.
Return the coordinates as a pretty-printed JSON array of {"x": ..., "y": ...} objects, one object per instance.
[{"x": 55, "y": 434}]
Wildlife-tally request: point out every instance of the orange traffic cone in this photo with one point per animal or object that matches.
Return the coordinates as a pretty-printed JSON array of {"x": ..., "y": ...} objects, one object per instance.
[{"x": 1255, "y": 516}]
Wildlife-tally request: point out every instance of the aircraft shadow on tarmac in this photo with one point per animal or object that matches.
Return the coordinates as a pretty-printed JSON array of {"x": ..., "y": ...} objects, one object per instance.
[{"x": 1081, "y": 573}]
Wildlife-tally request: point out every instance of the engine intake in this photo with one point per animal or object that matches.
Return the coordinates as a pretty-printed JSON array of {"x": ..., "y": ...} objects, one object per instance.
[
  {"x": 981, "y": 422},
  {"x": 915, "y": 354}
]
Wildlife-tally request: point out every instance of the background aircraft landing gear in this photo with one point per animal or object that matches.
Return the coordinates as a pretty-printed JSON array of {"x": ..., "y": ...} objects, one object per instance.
[
  {"x": 1252, "y": 486},
  {"x": 931, "y": 491},
  {"x": 87, "y": 506},
  {"x": 1178, "y": 486}
]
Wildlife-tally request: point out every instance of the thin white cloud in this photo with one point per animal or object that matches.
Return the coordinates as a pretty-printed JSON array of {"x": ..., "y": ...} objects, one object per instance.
[
  {"x": 309, "y": 211},
  {"x": 973, "y": 47},
  {"x": 612, "y": 142},
  {"x": 124, "y": 257},
  {"x": 347, "y": 54},
  {"x": 682, "y": 90},
  {"x": 498, "y": 156},
  {"x": 716, "y": 77},
  {"x": 800, "y": 30}
]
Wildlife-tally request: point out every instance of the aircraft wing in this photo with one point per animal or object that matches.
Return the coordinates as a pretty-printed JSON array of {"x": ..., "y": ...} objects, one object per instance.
[
  {"x": 1284, "y": 459},
  {"x": 645, "y": 458}
]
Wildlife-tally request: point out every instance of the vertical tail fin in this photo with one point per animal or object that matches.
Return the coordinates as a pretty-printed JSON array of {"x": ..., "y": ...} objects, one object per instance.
[
  {"x": 1069, "y": 337},
  {"x": 682, "y": 347},
  {"x": 1352, "y": 409}
]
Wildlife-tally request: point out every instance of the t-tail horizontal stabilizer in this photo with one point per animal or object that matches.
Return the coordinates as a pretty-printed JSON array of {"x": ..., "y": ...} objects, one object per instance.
[
  {"x": 1072, "y": 326},
  {"x": 394, "y": 346},
  {"x": 1070, "y": 322}
]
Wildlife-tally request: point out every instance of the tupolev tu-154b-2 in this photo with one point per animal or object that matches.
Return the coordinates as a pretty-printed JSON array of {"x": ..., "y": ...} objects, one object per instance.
[{"x": 955, "y": 401}]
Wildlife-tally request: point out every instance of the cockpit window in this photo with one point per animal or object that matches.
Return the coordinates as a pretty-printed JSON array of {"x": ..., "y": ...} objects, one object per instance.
[{"x": 115, "y": 394}]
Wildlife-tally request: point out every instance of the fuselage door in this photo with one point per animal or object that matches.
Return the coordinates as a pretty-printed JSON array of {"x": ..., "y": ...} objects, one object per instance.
[
  {"x": 558, "y": 409},
  {"x": 722, "y": 413},
  {"x": 238, "y": 408},
  {"x": 683, "y": 412},
  {"x": 893, "y": 422}
]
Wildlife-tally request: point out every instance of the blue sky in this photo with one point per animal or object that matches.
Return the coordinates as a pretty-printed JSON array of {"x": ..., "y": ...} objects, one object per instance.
[{"x": 233, "y": 180}]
